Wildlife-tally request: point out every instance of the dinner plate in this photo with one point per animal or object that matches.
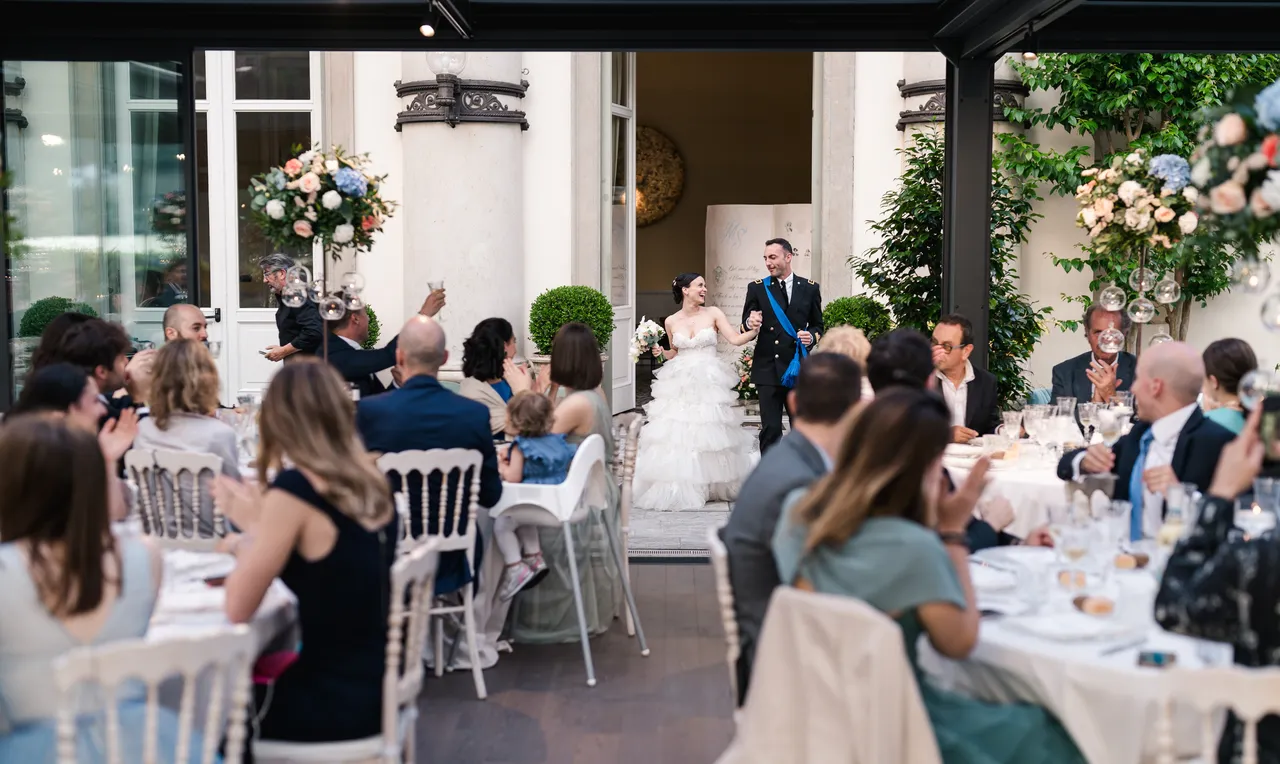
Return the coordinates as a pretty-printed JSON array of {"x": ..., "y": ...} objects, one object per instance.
[
  {"x": 963, "y": 450},
  {"x": 1072, "y": 626},
  {"x": 1017, "y": 555},
  {"x": 991, "y": 579}
]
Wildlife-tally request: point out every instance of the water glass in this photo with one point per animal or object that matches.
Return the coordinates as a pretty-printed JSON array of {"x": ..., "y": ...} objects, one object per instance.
[
  {"x": 1012, "y": 424},
  {"x": 1254, "y": 519},
  {"x": 1067, "y": 406},
  {"x": 215, "y": 348},
  {"x": 436, "y": 286},
  {"x": 1266, "y": 494},
  {"x": 1123, "y": 399}
]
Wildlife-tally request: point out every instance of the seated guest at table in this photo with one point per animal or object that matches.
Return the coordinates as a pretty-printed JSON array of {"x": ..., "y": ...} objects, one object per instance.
[
  {"x": 66, "y": 582},
  {"x": 46, "y": 351},
  {"x": 1096, "y": 375},
  {"x": 423, "y": 415},
  {"x": 903, "y": 358},
  {"x": 546, "y": 614},
  {"x": 970, "y": 393},
  {"x": 1225, "y": 364},
  {"x": 1220, "y": 586},
  {"x": 1172, "y": 443},
  {"x": 488, "y": 370},
  {"x": 184, "y": 397},
  {"x": 358, "y": 366},
  {"x": 64, "y": 388},
  {"x": 850, "y": 341},
  {"x": 884, "y": 527},
  {"x": 101, "y": 349},
  {"x": 826, "y": 390},
  {"x": 327, "y": 528},
  {"x": 185, "y": 322}
]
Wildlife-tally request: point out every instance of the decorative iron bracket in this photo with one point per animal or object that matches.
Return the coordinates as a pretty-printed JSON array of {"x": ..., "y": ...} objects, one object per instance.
[
  {"x": 15, "y": 86},
  {"x": 1007, "y": 93},
  {"x": 452, "y": 100}
]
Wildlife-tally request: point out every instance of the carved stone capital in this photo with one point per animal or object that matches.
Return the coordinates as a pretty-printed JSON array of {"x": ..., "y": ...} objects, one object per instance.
[
  {"x": 452, "y": 101},
  {"x": 930, "y": 98}
]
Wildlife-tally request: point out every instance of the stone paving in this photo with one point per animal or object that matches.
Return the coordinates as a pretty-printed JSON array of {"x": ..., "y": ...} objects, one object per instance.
[{"x": 674, "y": 534}]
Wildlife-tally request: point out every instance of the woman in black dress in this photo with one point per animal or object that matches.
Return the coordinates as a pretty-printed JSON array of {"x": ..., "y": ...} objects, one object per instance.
[{"x": 328, "y": 529}]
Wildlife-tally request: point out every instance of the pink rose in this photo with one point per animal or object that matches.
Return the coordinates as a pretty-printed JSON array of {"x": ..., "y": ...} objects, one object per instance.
[
  {"x": 1227, "y": 199},
  {"x": 1103, "y": 207},
  {"x": 309, "y": 183},
  {"x": 1258, "y": 205},
  {"x": 1230, "y": 130},
  {"x": 1165, "y": 215},
  {"x": 302, "y": 228},
  {"x": 292, "y": 167},
  {"x": 370, "y": 222}
]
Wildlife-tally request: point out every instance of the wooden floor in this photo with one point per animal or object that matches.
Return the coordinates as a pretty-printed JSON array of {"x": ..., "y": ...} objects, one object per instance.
[{"x": 673, "y": 707}]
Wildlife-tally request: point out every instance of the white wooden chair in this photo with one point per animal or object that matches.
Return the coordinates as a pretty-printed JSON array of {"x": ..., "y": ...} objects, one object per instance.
[
  {"x": 563, "y": 505},
  {"x": 724, "y": 593},
  {"x": 455, "y": 529},
  {"x": 1251, "y": 693},
  {"x": 626, "y": 439},
  {"x": 413, "y": 580},
  {"x": 156, "y": 479},
  {"x": 229, "y": 653}
]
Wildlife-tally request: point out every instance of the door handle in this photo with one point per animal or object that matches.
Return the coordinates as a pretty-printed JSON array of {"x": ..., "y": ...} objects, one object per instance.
[{"x": 217, "y": 315}]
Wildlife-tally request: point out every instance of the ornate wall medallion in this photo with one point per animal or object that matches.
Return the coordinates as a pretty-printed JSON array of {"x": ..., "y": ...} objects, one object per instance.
[{"x": 659, "y": 176}]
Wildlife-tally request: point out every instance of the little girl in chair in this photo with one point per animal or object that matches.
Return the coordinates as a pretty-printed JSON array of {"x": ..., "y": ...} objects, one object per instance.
[{"x": 536, "y": 456}]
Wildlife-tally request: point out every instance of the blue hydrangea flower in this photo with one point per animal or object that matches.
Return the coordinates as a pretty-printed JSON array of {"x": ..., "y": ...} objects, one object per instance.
[
  {"x": 1268, "y": 106},
  {"x": 1172, "y": 169},
  {"x": 276, "y": 178},
  {"x": 350, "y": 182}
]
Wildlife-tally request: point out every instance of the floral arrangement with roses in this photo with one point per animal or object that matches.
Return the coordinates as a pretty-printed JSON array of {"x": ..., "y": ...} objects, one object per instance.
[
  {"x": 1235, "y": 169},
  {"x": 169, "y": 214},
  {"x": 1136, "y": 202},
  {"x": 331, "y": 197}
]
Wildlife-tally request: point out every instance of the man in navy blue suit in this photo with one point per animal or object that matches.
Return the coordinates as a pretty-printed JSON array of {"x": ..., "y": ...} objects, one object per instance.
[
  {"x": 360, "y": 367},
  {"x": 423, "y": 415}
]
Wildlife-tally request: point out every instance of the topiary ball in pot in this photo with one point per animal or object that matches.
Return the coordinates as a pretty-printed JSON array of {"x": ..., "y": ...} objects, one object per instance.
[
  {"x": 44, "y": 310},
  {"x": 565, "y": 304},
  {"x": 860, "y": 312},
  {"x": 375, "y": 329}
]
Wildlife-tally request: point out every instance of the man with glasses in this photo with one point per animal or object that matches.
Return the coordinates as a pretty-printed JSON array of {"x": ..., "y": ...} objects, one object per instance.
[
  {"x": 970, "y": 393},
  {"x": 300, "y": 328}
]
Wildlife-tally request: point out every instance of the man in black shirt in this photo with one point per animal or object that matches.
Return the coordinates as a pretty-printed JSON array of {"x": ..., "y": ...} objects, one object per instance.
[{"x": 301, "y": 329}]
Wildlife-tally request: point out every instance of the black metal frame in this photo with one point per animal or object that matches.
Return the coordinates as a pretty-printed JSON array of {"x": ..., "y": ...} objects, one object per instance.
[{"x": 6, "y": 296}]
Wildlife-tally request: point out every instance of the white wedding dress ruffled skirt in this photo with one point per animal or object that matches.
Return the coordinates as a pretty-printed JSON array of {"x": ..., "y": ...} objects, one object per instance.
[{"x": 693, "y": 448}]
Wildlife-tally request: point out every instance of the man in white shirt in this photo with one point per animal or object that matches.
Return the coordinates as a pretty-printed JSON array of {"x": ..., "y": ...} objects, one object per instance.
[
  {"x": 1178, "y": 446},
  {"x": 1096, "y": 375},
  {"x": 970, "y": 393}
]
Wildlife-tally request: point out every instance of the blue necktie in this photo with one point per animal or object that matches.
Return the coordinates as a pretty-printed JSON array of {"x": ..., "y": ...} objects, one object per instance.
[{"x": 1135, "y": 486}]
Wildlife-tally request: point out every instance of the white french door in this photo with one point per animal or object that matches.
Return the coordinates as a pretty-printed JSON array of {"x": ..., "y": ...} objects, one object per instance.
[{"x": 618, "y": 229}]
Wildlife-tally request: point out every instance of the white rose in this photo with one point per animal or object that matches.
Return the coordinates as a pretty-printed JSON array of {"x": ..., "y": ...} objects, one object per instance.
[
  {"x": 275, "y": 209},
  {"x": 1129, "y": 190},
  {"x": 331, "y": 166},
  {"x": 1202, "y": 173},
  {"x": 1134, "y": 158},
  {"x": 1190, "y": 194},
  {"x": 1270, "y": 190},
  {"x": 1088, "y": 217},
  {"x": 331, "y": 200},
  {"x": 344, "y": 234},
  {"x": 1188, "y": 222},
  {"x": 306, "y": 157}
]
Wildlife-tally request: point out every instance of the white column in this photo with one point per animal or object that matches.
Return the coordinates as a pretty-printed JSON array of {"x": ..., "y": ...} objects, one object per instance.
[{"x": 463, "y": 208}]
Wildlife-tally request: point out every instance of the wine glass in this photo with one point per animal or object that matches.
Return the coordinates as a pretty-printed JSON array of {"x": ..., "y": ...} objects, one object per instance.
[
  {"x": 1087, "y": 412},
  {"x": 1111, "y": 423},
  {"x": 1067, "y": 406},
  {"x": 215, "y": 348},
  {"x": 1012, "y": 424}
]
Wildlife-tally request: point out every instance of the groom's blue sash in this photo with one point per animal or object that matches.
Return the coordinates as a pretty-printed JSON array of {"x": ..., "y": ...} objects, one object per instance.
[{"x": 793, "y": 369}]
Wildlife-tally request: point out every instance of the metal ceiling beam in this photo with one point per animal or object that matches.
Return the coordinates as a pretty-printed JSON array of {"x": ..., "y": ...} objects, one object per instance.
[
  {"x": 990, "y": 28},
  {"x": 1166, "y": 26}
]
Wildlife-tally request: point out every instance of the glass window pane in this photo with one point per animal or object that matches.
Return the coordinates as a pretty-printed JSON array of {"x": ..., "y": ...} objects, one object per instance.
[
  {"x": 273, "y": 75},
  {"x": 97, "y": 188},
  {"x": 621, "y": 80},
  {"x": 201, "y": 85},
  {"x": 202, "y": 207},
  {"x": 619, "y": 292},
  {"x": 263, "y": 140}
]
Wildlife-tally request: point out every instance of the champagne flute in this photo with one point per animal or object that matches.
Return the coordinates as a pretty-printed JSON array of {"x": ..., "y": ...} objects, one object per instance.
[{"x": 1087, "y": 413}]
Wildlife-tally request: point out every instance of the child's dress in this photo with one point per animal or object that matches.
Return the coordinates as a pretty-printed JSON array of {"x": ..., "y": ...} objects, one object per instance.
[{"x": 546, "y": 458}]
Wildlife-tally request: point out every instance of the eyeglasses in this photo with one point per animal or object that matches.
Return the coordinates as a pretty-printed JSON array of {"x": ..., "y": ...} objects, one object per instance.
[{"x": 947, "y": 347}]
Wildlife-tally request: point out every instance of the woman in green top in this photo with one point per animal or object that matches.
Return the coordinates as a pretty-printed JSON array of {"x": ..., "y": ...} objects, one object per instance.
[
  {"x": 1225, "y": 363},
  {"x": 867, "y": 530}
]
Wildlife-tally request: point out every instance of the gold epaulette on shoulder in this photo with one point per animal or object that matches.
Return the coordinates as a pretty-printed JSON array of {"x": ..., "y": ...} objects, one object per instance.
[
  {"x": 759, "y": 281},
  {"x": 810, "y": 282}
]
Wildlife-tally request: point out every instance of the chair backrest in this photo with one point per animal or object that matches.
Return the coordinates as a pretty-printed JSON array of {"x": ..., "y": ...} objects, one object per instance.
[
  {"x": 587, "y": 478},
  {"x": 455, "y": 524},
  {"x": 229, "y": 653},
  {"x": 626, "y": 436},
  {"x": 1251, "y": 693},
  {"x": 412, "y": 585},
  {"x": 724, "y": 593},
  {"x": 172, "y": 488}
]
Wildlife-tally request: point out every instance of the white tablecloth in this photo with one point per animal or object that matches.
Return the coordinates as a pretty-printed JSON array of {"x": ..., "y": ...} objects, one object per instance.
[
  {"x": 1029, "y": 489},
  {"x": 1106, "y": 701},
  {"x": 188, "y": 606}
]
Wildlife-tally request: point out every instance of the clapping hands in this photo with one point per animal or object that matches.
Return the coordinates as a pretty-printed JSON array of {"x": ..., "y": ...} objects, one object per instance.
[
  {"x": 516, "y": 376},
  {"x": 117, "y": 435},
  {"x": 1103, "y": 377}
]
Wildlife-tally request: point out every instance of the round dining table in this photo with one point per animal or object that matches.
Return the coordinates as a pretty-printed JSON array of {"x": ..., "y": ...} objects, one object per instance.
[
  {"x": 1031, "y": 487},
  {"x": 1083, "y": 669}
]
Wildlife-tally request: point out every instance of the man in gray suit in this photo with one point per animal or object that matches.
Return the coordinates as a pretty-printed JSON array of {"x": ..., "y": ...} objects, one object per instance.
[
  {"x": 1096, "y": 375},
  {"x": 829, "y": 385}
]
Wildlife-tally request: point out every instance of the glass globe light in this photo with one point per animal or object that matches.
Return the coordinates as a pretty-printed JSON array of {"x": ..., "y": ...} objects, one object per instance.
[
  {"x": 332, "y": 308},
  {"x": 446, "y": 62},
  {"x": 1142, "y": 310},
  {"x": 352, "y": 282},
  {"x": 1256, "y": 385},
  {"x": 1142, "y": 280},
  {"x": 1111, "y": 340},
  {"x": 316, "y": 291},
  {"x": 1271, "y": 312},
  {"x": 299, "y": 273},
  {"x": 353, "y": 302},
  {"x": 1167, "y": 291},
  {"x": 294, "y": 297},
  {"x": 1162, "y": 336},
  {"x": 1250, "y": 276},
  {"x": 297, "y": 285},
  {"x": 1112, "y": 299}
]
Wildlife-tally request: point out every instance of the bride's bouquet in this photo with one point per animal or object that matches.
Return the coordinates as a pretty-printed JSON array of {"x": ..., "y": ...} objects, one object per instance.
[{"x": 646, "y": 338}]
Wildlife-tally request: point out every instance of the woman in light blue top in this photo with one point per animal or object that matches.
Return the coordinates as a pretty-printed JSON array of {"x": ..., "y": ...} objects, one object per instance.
[
  {"x": 1225, "y": 364},
  {"x": 867, "y": 530},
  {"x": 66, "y": 582}
]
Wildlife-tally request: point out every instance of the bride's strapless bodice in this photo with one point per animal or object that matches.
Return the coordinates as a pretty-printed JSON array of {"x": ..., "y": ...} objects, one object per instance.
[{"x": 705, "y": 339}]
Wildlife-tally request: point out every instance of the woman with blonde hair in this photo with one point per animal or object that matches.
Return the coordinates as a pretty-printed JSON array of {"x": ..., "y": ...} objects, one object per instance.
[
  {"x": 850, "y": 341},
  {"x": 183, "y": 399},
  {"x": 327, "y": 528},
  {"x": 884, "y": 528}
]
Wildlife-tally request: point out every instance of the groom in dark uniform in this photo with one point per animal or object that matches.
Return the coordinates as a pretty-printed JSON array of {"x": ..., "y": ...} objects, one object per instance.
[{"x": 800, "y": 301}]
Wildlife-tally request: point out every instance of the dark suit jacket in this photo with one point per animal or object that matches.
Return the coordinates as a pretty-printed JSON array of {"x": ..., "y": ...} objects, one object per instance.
[
  {"x": 359, "y": 366},
  {"x": 1069, "y": 380},
  {"x": 420, "y": 416},
  {"x": 1195, "y": 457},
  {"x": 301, "y": 327},
  {"x": 748, "y": 536},
  {"x": 774, "y": 347},
  {"x": 982, "y": 409}
]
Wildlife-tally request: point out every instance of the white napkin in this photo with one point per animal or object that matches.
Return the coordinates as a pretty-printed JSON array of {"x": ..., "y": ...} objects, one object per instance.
[
  {"x": 190, "y": 599},
  {"x": 1071, "y": 626},
  {"x": 988, "y": 578}
]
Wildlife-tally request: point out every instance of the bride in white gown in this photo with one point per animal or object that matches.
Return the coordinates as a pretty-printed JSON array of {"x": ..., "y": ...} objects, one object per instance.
[{"x": 693, "y": 448}]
